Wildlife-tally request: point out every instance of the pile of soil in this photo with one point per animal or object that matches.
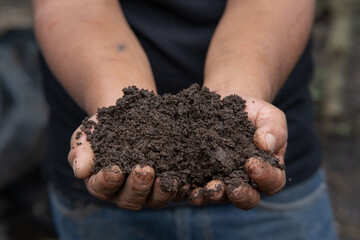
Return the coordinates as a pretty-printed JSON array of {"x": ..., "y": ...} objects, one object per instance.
[{"x": 193, "y": 136}]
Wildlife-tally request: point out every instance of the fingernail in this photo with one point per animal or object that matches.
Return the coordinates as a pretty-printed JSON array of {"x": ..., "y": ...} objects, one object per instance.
[
  {"x": 257, "y": 170},
  {"x": 113, "y": 175},
  {"x": 74, "y": 166},
  {"x": 167, "y": 185},
  {"x": 270, "y": 142},
  {"x": 142, "y": 178},
  {"x": 197, "y": 193}
]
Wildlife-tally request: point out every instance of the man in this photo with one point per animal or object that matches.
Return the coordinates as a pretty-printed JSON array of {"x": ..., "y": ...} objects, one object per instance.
[{"x": 250, "y": 48}]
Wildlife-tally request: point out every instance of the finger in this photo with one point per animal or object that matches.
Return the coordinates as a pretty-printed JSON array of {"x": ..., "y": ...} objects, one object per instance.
[
  {"x": 270, "y": 123},
  {"x": 106, "y": 182},
  {"x": 243, "y": 196},
  {"x": 197, "y": 197},
  {"x": 160, "y": 198},
  {"x": 183, "y": 193},
  {"x": 270, "y": 137},
  {"x": 268, "y": 178},
  {"x": 215, "y": 191},
  {"x": 136, "y": 189},
  {"x": 81, "y": 156}
]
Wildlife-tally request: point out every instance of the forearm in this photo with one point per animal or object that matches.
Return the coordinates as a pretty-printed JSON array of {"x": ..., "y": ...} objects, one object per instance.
[
  {"x": 91, "y": 50},
  {"x": 256, "y": 45}
]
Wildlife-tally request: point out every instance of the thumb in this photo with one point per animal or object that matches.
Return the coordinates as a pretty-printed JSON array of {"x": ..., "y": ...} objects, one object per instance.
[
  {"x": 270, "y": 123},
  {"x": 81, "y": 155},
  {"x": 271, "y": 136}
]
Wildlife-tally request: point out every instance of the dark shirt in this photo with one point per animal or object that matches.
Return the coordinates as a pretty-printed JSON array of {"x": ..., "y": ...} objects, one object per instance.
[{"x": 175, "y": 36}]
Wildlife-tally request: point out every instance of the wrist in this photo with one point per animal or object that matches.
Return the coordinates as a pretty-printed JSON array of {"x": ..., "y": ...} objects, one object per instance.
[
  {"x": 251, "y": 87},
  {"x": 106, "y": 95}
]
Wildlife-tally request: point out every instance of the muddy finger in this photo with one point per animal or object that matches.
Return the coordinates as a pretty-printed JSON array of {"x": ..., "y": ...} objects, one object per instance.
[
  {"x": 136, "y": 189},
  {"x": 159, "y": 197},
  {"x": 183, "y": 193},
  {"x": 197, "y": 197},
  {"x": 215, "y": 191},
  {"x": 106, "y": 182},
  {"x": 243, "y": 196},
  {"x": 269, "y": 179}
]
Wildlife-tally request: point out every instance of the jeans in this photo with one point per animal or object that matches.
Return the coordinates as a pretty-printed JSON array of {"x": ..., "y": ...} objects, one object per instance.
[{"x": 302, "y": 212}]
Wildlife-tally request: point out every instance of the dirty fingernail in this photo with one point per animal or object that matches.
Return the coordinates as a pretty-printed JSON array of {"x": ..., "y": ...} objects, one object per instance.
[
  {"x": 168, "y": 185},
  {"x": 270, "y": 142},
  {"x": 142, "y": 178},
  {"x": 113, "y": 175},
  {"x": 196, "y": 193},
  {"x": 257, "y": 170}
]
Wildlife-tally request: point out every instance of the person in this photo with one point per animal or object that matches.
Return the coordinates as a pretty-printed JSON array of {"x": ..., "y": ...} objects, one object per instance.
[{"x": 259, "y": 50}]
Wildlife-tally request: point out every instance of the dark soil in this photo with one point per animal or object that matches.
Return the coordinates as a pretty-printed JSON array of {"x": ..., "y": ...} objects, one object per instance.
[{"x": 193, "y": 136}]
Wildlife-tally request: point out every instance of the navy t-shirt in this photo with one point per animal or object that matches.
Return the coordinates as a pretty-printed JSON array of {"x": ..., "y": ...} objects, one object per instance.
[{"x": 175, "y": 35}]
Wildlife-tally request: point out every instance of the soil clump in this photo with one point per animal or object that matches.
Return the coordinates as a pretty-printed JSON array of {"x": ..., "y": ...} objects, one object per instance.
[{"x": 193, "y": 136}]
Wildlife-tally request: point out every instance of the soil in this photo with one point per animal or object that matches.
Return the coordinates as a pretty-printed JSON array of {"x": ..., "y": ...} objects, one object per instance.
[{"x": 193, "y": 136}]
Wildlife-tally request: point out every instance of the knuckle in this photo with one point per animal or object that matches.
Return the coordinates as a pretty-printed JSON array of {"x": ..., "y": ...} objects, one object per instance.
[
  {"x": 139, "y": 189},
  {"x": 274, "y": 183},
  {"x": 274, "y": 176},
  {"x": 139, "y": 194},
  {"x": 132, "y": 207},
  {"x": 124, "y": 204},
  {"x": 129, "y": 206},
  {"x": 245, "y": 199},
  {"x": 281, "y": 183},
  {"x": 164, "y": 197}
]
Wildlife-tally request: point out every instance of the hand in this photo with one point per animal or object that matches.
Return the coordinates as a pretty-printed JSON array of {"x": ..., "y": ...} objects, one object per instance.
[
  {"x": 271, "y": 136},
  {"x": 110, "y": 183}
]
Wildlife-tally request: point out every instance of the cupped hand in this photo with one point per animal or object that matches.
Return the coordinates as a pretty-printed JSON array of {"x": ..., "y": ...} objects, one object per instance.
[
  {"x": 271, "y": 136},
  {"x": 128, "y": 192},
  {"x": 141, "y": 188}
]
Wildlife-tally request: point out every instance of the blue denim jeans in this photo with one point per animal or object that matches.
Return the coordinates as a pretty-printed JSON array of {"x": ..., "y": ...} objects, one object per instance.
[{"x": 302, "y": 212}]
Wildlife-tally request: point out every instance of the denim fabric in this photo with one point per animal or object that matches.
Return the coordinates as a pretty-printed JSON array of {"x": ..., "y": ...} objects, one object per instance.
[{"x": 302, "y": 212}]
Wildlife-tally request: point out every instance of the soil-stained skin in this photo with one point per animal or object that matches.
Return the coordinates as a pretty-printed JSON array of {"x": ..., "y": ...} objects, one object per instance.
[{"x": 193, "y": 136}]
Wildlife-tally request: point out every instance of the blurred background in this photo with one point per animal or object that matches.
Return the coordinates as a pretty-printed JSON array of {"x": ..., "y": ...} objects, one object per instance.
[{"x": 24, "y": 210}]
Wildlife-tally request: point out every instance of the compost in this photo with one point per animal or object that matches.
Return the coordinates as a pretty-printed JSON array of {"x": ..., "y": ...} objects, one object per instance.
[{"x": 193, "y": 136}]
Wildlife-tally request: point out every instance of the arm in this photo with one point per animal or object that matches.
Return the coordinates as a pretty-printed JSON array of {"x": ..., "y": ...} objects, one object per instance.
[
  {"x": 256, "y": 45},
  {"x": 94, "y": 54},
  {"x": 91, "y": 50},
  {"x": 254, "y": 49}
]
